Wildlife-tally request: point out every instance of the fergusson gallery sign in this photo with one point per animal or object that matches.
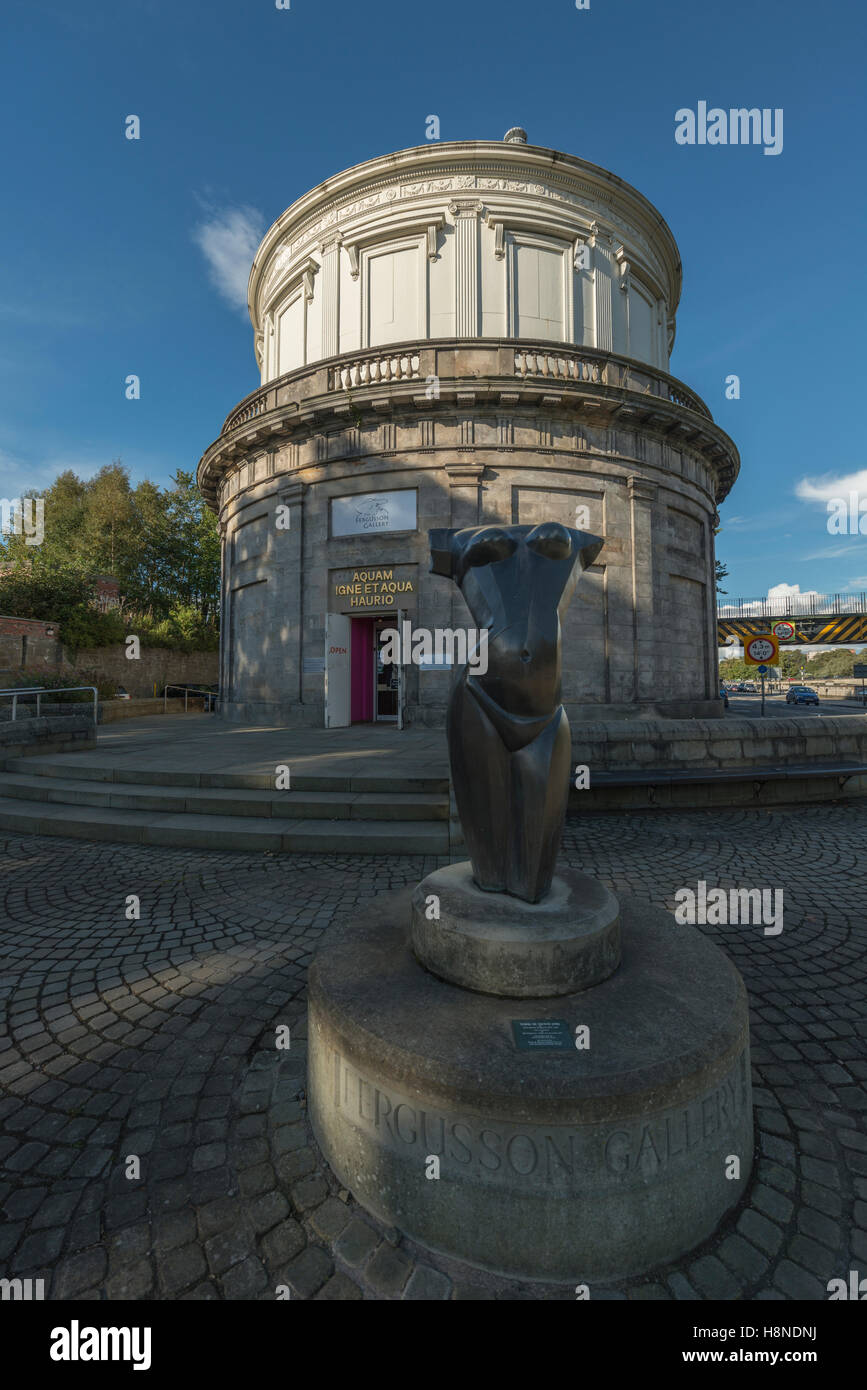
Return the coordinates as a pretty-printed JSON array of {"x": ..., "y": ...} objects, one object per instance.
[{"x": 367, "y": 513}]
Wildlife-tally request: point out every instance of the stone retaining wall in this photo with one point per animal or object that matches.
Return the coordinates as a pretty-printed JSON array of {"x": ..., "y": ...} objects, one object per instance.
[
  {"x": 644, "y": 745},
  {"x": 51, "y": 734}
]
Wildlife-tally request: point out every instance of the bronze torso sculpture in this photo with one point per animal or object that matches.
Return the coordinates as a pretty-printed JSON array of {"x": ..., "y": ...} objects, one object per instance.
[{"x": 508, "y": 735}]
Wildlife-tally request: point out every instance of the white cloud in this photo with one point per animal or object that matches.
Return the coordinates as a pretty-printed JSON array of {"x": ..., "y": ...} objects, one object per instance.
[
  {"x": 229, "y": 239},
  {"x": 831, "y": 552},
  {"x": 826, "y": 487},
  {"x": 782, "y": 599}
]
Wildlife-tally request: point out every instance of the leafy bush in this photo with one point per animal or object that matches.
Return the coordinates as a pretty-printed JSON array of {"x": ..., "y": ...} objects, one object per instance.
[
  {"x": 106, "y": 690},
  {"x": 88, "y": 628}
]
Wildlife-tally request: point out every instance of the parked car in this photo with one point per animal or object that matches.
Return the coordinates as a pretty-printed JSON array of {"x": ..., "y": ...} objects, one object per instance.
[{"x": 801, "y": 695}]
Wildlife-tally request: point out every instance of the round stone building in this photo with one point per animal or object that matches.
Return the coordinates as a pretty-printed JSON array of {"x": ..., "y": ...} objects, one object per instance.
[{"x": 456, "y": 335}]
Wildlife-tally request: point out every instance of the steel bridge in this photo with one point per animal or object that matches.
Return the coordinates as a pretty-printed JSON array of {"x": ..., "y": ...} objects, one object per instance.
[{"x": 818, "y": 619}]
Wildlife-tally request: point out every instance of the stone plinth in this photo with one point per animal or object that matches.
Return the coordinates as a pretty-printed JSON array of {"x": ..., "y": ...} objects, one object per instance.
[
  {"x": 498, "y": 944},
  {"x": 553, "y": 1164}
]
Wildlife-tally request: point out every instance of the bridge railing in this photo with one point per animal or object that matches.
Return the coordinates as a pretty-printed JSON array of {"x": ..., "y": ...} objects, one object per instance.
[{"x": 810, "y": 605}]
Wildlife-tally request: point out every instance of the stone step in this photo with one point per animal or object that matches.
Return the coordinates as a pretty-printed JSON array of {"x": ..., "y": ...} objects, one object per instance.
[
  {"x": 222, "y": 801},
  {"x": 280, "y": 835},
  {"x": 84, "y": 768}
]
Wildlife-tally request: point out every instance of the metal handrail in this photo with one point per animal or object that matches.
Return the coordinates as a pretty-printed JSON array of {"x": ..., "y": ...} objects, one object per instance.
[
  {"x": 212, "y": 693},
  {"x": 40, "y": 690}
]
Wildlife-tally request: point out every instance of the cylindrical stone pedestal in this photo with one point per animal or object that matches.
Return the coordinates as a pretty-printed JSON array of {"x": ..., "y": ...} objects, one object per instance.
[
  {"x": 553, "y": 1162},
  {"x": 498, "y": 944}
]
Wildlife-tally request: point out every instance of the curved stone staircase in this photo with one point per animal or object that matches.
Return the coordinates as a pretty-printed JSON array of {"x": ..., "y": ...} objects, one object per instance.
[{"x": 351, "y": 812}]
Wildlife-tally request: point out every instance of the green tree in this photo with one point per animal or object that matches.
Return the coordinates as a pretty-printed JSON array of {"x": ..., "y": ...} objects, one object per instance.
[{"x": 161, "y": 544}]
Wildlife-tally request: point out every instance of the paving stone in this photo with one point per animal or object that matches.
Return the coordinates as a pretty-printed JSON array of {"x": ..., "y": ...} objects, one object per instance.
[
  {"x": 180, "y": 1268},
  {"x": 256, "y": 1180},
  {"x": 712, "y": 1278},
  {"x": 132, "y": 1281},
  {"x": 292, "y": 1166},
  {"x": 681, "y": 1287},
  {"x": 357, "y": 1242},
  {"x": 743, "y": 1259},
  {"x": 228, "y": 1248},
  {"x": 22, "y": 1204},
  {"x": 306, "y": 1274},
  {"x": 772, "y": 1203},
  {"x": 797, "y": 1283},
  {"x": 283, "y": 1242},
  {"x": 177, "y": 1228},
  {"x": 244, "y": 1280},
  {"x": 38, "y": 1250},
  {"x": 208, "y": 1156},
  {"x": 760, "y": 1231},
  {"x": 426, "y": 1283},
  {"x": 822, "y": 1199},
  {"x": 308, "y": 1194},
  {"x": 387, "y": 1271},
  {"x": 203, "y": 1293},
  {"x": 55, "y": 1210},
  {"x": 339, "y": 1288},
  {"x": 127, "y": 1246},
  {"x": 329, "y": 1219},
  {"x": 813, "y": 1256},
  {"x": 263, "y": 1213},
  {"x": 81, "y": 1272},
  {"x": 819, "y": 1227}
]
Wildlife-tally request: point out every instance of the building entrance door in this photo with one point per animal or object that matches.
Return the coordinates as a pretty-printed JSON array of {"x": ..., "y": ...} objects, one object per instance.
[
  {"x": 386, "y": 677},
  {"x": 363, "y": 638},
  {"x": 373, "y": 686}
]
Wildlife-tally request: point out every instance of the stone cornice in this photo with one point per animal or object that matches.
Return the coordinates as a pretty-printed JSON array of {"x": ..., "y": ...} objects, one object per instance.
[{"x": 607, "y": 391}]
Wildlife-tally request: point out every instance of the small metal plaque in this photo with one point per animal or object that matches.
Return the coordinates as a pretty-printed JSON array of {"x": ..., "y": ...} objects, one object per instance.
[{"x": 536, "y": 1034}]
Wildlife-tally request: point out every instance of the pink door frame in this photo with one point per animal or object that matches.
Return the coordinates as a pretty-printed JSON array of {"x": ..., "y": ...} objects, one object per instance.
[{"x": 361, "y": 662}]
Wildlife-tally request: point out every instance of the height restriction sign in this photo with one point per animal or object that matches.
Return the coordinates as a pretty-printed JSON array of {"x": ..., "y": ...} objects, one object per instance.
[
  {"x": 783, "y": 631},
  {"x": 761, "y": 651}
]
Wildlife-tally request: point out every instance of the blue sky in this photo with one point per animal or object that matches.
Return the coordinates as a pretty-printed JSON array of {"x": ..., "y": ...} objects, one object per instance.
[{"x": 243, "y": 107}]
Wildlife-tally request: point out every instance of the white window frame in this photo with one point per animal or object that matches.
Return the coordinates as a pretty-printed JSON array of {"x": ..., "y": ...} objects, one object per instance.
[
  {"x": 300, "y": 284},
  {"x": 515, "y": 238},
  {"x": 416, "y": 243},
  {"x": 640, "y": 287}
]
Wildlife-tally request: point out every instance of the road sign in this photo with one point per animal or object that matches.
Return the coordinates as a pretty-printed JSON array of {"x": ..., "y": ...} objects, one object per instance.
[
  {"x": 761, "y": 650},
  {"x": 859, "y": 669},
  {"x": 783, "y": 631},
  {"x": 763, "y": 670}
]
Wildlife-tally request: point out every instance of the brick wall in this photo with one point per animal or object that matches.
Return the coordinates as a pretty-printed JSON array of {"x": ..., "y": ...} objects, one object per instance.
[
  {"x": 33, "y": 651},
  {"x": 26, "y": 627}
]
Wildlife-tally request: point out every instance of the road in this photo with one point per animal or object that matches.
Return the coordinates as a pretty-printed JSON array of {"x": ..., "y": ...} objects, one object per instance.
[{"x": 775, "y": 705}]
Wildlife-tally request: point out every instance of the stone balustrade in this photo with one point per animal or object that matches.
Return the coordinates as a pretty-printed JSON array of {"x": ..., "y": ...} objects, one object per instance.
[
  {"x": 250, "y": 407},
  {"x": 562, "y": 368},
  {"x": 451, "y": 361},
  {"x": 369, "y": 371}
]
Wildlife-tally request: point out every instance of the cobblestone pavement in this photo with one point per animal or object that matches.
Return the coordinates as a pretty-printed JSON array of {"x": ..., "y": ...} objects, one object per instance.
[{"x": 156, "y": 1037}]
